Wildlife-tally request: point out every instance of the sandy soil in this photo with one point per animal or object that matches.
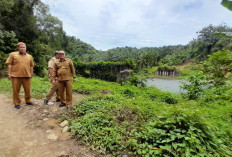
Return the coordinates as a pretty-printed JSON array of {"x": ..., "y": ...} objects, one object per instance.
[{"x": 34, "y": 131}]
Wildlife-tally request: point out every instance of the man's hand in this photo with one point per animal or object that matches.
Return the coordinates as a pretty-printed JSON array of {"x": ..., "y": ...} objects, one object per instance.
[
  {"x": 9, "y": 67},
  {"x": 9, "y": 77},
  {"x": 74, "y": 79}
]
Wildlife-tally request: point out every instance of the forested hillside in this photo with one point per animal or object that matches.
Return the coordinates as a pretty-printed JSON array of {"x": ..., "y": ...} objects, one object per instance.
[
  {"x": 210, "y": 39},
  {"x": 30, "y": 21}
]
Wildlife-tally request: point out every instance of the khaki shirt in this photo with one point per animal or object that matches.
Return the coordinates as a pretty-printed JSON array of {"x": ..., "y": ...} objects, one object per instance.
[
  {"x": 51, "y": 63},
  {"x": 21, "y": 64},
  {"x": 63, "y": 70}
]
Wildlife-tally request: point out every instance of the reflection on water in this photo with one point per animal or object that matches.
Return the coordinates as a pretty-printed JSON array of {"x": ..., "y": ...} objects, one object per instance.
[{"x": 165, "y": 84}]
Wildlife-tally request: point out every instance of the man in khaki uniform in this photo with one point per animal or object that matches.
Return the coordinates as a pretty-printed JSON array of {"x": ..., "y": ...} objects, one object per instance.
[
  {"x": 20, "y": 72},
  {"x": 63, "y": 70},
  {"x": 54, "y": 87}
]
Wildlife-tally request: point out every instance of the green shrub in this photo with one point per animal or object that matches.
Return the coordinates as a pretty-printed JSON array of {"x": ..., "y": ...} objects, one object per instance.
[
  {"x": 177, "y": 134},
  {"x": 134, "y": 80},
  {"x": 165, "y": 67},
  {"x": 168, "y": 98},
  {"x": 130, "y": 63},
  {"x": 91, "y": 105},
  {"x": 129, "y": 93},
  {"x": 215, "y": 93},
  {"x": 194, "y": 86},
  {"x": 218, "y": 65},
  {"x": 98, "y": 131}
]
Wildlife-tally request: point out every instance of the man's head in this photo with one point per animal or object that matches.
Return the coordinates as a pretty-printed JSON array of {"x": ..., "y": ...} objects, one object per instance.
[
  {"x": 21, "y": 47},
  {"x": 57, "y": 55},
  {"x": 61, "y": 54}
]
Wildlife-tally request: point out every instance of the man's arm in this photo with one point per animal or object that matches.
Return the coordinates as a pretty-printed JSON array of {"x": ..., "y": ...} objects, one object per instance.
[
  {"x": 73, "y": 71},
  {"x": 54, "y": 73},
  {"x": 9, "y": 67},
  {"x": 50, "y": 70},
  {"x": 51, "y": 73},
  {"x": 31, "y": 70},
  {"x": 9, "y": 63},
  {"x": 31, "y": 66},
  {"x": 50, "y": 67}
]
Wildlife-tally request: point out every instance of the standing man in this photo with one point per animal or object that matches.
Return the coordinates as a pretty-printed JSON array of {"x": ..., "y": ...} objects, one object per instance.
[
  {"x": 54, "y": 87},
  {"x": 20, "y": 72},
  {"x": 63, "y": 70}
]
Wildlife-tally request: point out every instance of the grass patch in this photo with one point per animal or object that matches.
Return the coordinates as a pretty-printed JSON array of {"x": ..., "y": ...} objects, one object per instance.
[{"x": 39, "y": 87}]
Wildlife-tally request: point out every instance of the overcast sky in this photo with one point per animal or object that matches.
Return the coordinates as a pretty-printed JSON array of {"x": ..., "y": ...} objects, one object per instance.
[{"x": 109, "y": 24}]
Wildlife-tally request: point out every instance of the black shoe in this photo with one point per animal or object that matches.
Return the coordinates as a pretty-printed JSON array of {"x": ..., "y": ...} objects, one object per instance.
[
  {"x": 57, "y": 100},
  {"x": 62, "y": 105},
  {"x": 17, "y": 106},
  {"x": 46, "y": 101},
  {"x": 30, "y": 103}
]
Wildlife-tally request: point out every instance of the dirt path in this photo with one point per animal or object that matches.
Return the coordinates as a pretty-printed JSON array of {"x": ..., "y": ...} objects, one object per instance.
[{"x": 34, "y": 131}]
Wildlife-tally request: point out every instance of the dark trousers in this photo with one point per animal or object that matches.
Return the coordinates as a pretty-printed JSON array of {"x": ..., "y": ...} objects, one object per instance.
[
  {"x": 17, "y": 82},
  {"x": 65, "y": 86}
]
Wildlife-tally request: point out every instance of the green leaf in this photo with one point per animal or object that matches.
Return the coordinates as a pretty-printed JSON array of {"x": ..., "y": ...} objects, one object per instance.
[
  {"x": 166, "y": 147},
  {"x": 174, "y": 145},
  {"x": 227, "y": 4}
]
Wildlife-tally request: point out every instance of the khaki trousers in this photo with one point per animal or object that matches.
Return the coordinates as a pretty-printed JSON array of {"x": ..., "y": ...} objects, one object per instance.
[
  {"x": 52, "y": 90},
  {"x": 17, "y": 82},
  {"x": 65, "y": 86}
]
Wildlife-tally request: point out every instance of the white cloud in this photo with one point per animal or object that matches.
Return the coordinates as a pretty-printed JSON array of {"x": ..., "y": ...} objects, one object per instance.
[{"x": 138, "y": 23}]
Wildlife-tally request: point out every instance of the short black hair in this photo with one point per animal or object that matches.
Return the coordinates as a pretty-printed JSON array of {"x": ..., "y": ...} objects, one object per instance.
[{"x": 56, "y": 52}]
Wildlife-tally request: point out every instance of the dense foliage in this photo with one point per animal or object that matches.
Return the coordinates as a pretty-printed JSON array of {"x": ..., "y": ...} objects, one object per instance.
[
  {"x": 29, "y": 21},
  {"x": 143, "y": 57},
  {"x": 108, "y": 71},
  {"x": 215, "y": 72},
  {"x": 194, "y": 86},
  {"x": 219, "y": 65},
  {"x": 8, "y": 43}
]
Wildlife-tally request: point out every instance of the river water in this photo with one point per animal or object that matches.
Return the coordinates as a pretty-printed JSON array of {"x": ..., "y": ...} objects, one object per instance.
[{"x": 170, "y": 85}]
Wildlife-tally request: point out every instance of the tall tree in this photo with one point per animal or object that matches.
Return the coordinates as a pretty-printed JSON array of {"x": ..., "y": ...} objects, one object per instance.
[
  {"x": 51, "y": 28},
  {"x": 21, "y": 20},
  {"x": 76, "y": 48},
  {"x": 206, "y": 41},
  {"x": 19, "y": 17}
]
